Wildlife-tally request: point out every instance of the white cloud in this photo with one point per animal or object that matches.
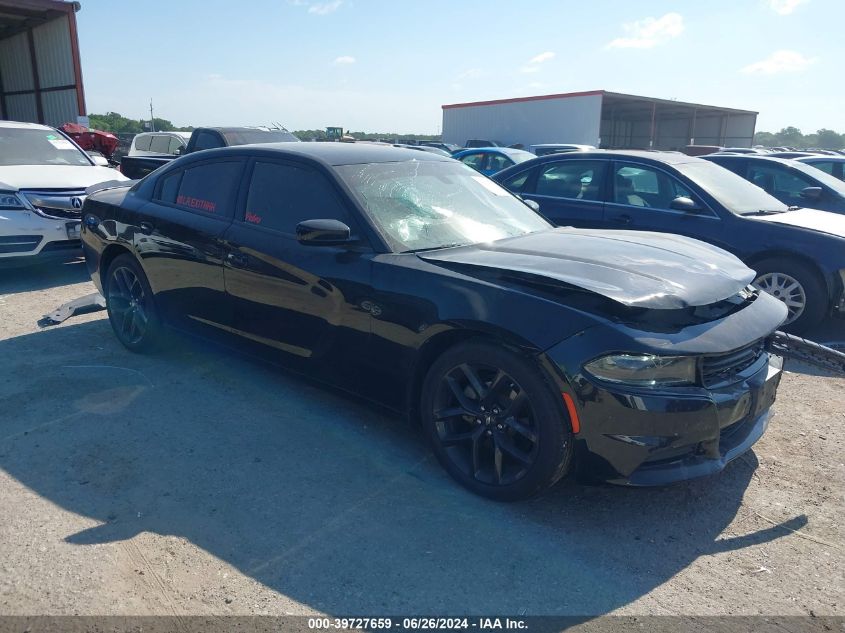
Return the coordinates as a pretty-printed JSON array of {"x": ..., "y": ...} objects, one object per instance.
[
  {"x": 649, "y": 32},
  {"x": 344, "y": 60},
  {"x": 542, "y": 57},
  {"x": 785, "y": 7},
  {"x": 324, "y": 8},
  {"x": 533, "y": 65},
  {"x": 780, "y": 62}
]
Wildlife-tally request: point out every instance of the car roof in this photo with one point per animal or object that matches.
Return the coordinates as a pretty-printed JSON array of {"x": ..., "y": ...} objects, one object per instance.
[
  {"x": 24, "y": 125},
  {"x": 670, "y": 158},
  {"x": 771, "y": 159},
  {"x": 333, "y": 153},
  {"x": 820, "y": 158}
]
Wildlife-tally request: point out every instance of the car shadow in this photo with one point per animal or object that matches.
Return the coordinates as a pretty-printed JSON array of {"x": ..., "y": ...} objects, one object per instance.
[
  {"x": 328, "y": 501},
  {"x": 15, "y": 279}
]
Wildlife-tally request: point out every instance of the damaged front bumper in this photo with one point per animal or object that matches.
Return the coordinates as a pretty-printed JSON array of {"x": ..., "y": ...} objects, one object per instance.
[
  {"x": 713, "y": 430},
  {"x": 656, "y": 435}
]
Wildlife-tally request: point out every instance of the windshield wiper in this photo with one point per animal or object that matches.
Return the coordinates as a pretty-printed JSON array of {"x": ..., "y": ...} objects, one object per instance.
[
  {"x": 434, "y": 248},
  {"x": 770, "y": 211}
]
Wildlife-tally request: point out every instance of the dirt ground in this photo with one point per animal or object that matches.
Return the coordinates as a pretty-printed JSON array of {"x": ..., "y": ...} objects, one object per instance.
[{"x": 195, "y": 481}]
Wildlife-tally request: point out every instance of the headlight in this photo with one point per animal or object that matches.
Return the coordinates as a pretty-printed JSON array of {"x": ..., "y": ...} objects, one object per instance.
[
  {"x": 10, "y": 202},
  {"x": 644, "y": 370}
]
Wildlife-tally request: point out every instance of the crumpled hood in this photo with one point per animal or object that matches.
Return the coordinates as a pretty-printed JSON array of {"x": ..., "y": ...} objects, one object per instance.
[
  {"x": 635, "y": 268},
  {"x": 55, "y": 176},
  {"x": 823, "y": 221}
]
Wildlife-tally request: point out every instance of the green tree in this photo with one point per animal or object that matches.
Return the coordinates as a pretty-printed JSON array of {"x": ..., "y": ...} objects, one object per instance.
[
  {"x": 828, "y": 139},
  {"x": 790, "y": 136}
]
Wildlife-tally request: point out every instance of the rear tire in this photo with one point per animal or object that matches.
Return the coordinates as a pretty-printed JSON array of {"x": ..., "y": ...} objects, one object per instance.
[
  {"x": 494, "y": 422},
  {"x": 131, "y": 305},
  {"x": 798, "y": 287}
]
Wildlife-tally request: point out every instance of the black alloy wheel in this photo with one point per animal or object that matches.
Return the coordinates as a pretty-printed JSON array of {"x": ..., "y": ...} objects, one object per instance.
[
  {"x": 494, "y": 422},
  {"x": 130, "y": 305},
  {"x": 485, "y": 422}
]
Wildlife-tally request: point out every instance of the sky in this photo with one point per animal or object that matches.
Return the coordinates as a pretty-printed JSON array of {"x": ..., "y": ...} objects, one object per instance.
[{"x": 388, "y": 65}]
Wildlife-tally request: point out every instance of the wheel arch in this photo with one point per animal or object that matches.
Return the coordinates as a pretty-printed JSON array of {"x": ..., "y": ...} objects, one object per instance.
[
  {"x": 435, "y": 346},
  {"x": 826, "y": 281},
  {"x": 109, "y": 254}
]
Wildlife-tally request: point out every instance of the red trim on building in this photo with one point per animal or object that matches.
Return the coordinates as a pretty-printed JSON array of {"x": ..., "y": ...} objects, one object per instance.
[{"x": 564, "y": 95}]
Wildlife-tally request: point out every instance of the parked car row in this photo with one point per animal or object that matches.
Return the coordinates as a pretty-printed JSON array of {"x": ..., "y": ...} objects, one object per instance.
[{"x": 401, "y": 274}]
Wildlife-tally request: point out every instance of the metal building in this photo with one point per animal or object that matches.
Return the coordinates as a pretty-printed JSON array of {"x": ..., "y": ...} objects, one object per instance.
[
  {"x": 600, "y": 118},
  {"x": 40, "y": 72}
]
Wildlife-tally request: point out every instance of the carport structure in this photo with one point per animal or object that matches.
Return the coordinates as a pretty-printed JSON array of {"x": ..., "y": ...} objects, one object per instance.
[
  {"x": 40, "y": 70},
  {"x": 598, "y": 117},
  {"x": 632, "y": 122}
]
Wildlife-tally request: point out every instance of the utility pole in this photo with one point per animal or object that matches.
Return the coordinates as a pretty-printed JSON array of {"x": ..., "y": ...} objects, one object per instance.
[{"x": 152, "y": 118}]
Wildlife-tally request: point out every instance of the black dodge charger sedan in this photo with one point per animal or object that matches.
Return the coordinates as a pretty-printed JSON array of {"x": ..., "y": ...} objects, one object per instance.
[{"x": 410, "y": 279}]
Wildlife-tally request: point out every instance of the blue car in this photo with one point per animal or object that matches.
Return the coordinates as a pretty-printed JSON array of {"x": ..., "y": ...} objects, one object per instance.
[
  {"x": 491, "y": 160},
  {"x": 795, "y": 183},
  {"x": 798, "y": 254}
]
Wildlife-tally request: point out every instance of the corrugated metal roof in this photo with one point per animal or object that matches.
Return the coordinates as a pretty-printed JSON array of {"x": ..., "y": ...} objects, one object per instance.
[{"x": 617, "y": 97}]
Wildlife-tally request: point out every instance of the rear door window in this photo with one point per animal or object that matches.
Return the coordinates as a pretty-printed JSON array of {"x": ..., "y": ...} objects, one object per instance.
[
  {"x": 160, "y": 144},
  {"x": 571, "y": 179},
  {"x": 142, "y": 143},
  {"x": 208, "y": 188},
  {"x": 476, "y": 160},
  {"x": 282, "y": 195}
]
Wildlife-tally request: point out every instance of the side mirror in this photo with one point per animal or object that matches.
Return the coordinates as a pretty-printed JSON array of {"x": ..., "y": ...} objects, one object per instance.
[
  {"x": 322, "y": 232},
  {"x": 100, "y": 160},
  {"x": 682, "y": 203},
  {"x": 180, "y": 150},
  {"x": 533, "y": 205},
  {"x": 811, "y": 193}
]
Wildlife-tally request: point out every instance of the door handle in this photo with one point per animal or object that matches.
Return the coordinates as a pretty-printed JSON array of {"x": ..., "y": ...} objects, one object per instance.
[
  {"x": 237, "y": 260},
  {"x": 146, "y": 228},
  {"x": 623, "y": 219}
]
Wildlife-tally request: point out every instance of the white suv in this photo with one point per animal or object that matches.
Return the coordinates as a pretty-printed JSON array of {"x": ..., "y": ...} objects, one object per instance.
[
  {"x": 155, "y": 143},
  {"x": 43, "y": 178}
]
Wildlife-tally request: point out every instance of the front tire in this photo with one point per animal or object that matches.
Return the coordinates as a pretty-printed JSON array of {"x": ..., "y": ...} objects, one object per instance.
[
  {"x": 494, "y": 423},
  {"x": 131, "y": 305},
  {"x": 798, "y": 287}
]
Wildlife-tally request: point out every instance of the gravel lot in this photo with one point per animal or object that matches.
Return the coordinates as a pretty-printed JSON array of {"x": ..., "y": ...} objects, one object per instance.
[{"x": 195, "y": 481}]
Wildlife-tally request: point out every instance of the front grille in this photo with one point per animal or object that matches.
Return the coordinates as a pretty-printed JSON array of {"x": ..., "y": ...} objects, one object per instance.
[
  {"x": 726, "y": 368},
  {"x": 56, "y": 203},
  {"x": 19, "y": 243},
  {"x": 60, "y": 214}
]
